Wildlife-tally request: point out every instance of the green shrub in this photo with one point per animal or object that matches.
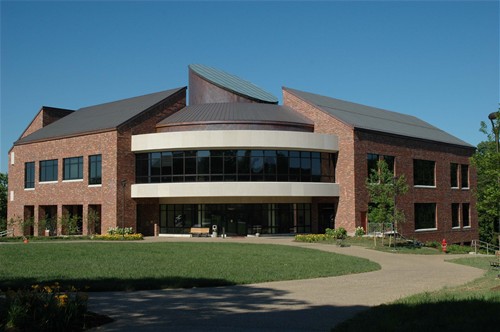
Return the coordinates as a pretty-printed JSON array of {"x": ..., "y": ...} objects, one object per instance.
[
  {"x": 359, "y": 232},
  {"x": 44, "y": 308},
  {"x": 433, "y": 244},
  {"x": 329, "y": 232},
  {"x": 341, "y": 233},
  {"x": 120, "y": 230},
  {"x": 338, "y": 233},
  {"x": 458, "y": 249}
]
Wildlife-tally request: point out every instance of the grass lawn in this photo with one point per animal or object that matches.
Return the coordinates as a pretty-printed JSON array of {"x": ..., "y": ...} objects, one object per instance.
[
  {"x": 136, "y": 265},
  {"x": 402, "y": 247},
  {"x": 474, "y": 306}
]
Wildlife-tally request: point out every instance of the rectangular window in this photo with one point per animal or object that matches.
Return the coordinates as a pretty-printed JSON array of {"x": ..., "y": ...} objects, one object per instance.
[
  {"x": 423, "y": 173},
  {"x": 389, "y": 160},
  {"x": 464, "y": 173},
  {"x": 455, "y": 213},
  {"x": 371, "y": 160},
  {"x": 29, "y": 175},
  {"x": 95, "y": 164},
  {"x": 48, "y": 170},
  {"x": 465, "y": 215},
  {"x": 425, "y": 216},
  {"x": 454, "y": 175},
  {"x": 73, "y": 168}
]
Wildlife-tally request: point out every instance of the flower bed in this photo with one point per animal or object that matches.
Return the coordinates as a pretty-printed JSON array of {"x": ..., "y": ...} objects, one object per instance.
[
  {"x": 44, "y": 308},
  {"x": 118, "y": 237}
]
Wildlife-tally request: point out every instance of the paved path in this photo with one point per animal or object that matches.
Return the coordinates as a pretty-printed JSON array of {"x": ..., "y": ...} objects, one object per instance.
[{"x": 299, "y": 305}]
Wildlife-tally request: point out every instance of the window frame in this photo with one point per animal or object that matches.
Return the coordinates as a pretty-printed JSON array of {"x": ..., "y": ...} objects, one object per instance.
[
  {"x": 455, "y": 215},
  {"x": 95, "y": 166},
  {"x": 45, "y": 166},
  {"x": 29, "y": 171},
  {"x": 454, "y": 177},
  {"x": 465, "y": 213},
  {"x": 464, "y": 175},
  {"x": 421, "y": 178},
  {"x": 69, "y": 165},
  {"x": 433, "y": 212}
]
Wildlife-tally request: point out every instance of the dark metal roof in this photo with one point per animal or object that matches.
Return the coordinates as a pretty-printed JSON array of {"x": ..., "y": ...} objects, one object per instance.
[
  {"x": 99, "y": 117},
  {"x": 236, "y": 113},
  {"x": 233, "y": 83},
  {"x": 376, "y": 119}
]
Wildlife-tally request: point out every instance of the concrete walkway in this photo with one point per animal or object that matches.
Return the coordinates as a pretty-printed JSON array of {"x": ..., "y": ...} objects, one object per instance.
[{"x": 299, "y": 305}]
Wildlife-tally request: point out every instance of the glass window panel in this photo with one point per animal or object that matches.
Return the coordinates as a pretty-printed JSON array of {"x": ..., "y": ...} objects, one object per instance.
[
  {"x": 166, "y": 165},
  {"x": 371, "y": 160},
  {"x": 48, "y": 170},
  {"x": 464, "y": 172},
  {"x": 316, "y": 169},
  {"x": 29, "y": 175},
  {"x": 425, "y": 215},
  {"x": 178, "y": 166},
  {"x": 294, "y": 171},
  {"x": 455, "y": 212},
  {"x": 95, "y": 169},
  {"x": 73, "y": 168},
  {"x": 454, "y": 175},
  {"x": 203, "y": 165},
  {"x": 465, "y": 215},
  {"x": 390, "y": 161},
  {"x": 423, "y": 172}
]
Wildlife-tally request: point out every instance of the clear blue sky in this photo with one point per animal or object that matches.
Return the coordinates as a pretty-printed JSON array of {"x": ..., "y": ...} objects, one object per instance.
[{"x": 438, "y": 61}]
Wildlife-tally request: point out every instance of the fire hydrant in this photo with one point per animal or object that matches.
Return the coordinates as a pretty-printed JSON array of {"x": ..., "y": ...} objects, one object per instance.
[{"x": 443, "y": 245}]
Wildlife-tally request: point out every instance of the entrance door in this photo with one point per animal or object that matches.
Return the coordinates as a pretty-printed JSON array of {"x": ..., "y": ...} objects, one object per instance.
[{"x": 326, "y": 216}]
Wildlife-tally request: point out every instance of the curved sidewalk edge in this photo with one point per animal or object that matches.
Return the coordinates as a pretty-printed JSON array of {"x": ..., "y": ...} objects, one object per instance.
[{"x": 296, "y": 305}]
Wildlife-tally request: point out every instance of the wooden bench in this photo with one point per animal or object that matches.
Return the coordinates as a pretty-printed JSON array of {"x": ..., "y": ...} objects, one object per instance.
[
  {"x": 200, "y": 231},
  {"x": 496, "y": 263}
]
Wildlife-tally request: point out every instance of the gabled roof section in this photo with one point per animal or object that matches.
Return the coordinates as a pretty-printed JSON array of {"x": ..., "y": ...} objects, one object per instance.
[
  {"x": 376, "y": 119},
  {"x": 99, "y": 118},
  {"x": 236, "y": 113},
  {"x": 233, "y": 83}
]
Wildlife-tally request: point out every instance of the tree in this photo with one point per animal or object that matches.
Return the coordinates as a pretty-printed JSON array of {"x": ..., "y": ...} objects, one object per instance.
[
  {"x": 383, "y": 188},
  {"x": 3, "y": 201},
  {"x": 487, "y": 163}
]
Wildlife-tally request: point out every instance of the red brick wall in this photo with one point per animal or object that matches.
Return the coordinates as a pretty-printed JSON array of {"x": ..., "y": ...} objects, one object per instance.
[
  {"x": 62, "y": 192},
  {"x": 144, "y": 124},
  {"x": 406, "y": 150},
  {"x": 118, "y": 163},
  {"x": 351, "y": 173},
  {"x": 347, "y": 212}
]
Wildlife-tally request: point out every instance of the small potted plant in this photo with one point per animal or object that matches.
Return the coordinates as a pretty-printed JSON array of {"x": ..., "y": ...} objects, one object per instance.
[{"x": 25, "y": 239}]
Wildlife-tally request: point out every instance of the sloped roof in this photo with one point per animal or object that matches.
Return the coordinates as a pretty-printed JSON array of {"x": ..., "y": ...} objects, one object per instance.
[
  {"x": 99, "y": 117},
  {"x": 236, "y": 113},
  {"x": 233, "y": 83},
  {"x": 376, "y": 119}
]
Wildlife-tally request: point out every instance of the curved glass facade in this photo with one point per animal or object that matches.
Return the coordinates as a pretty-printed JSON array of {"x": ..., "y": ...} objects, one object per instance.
[
  {"x": 235, "y": 165},
  {"x": 237, "y": 219}
]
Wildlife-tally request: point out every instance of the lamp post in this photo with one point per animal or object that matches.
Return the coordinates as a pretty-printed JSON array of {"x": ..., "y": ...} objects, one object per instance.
[
  {"x": 124, "y": 184},
  {"x": 496, "y": 130},
  {"x": 394, "y": 180}
]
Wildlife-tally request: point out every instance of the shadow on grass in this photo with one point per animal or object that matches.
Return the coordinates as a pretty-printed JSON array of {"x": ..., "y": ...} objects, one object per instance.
[
  {"x": 237, "y": 308},
  {"x": 460, "y": 315},
  {"x": 116, "y": 284}
]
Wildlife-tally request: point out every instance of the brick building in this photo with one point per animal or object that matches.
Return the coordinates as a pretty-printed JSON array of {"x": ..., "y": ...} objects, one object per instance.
[{"x": 236, "y": 159}]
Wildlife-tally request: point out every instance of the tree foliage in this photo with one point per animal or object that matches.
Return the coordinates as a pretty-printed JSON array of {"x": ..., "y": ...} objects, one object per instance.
[
  {"x": 3, "y": 200},
  {"x": 487, "y": 163},
  {"x": 383, "y": 189}
]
